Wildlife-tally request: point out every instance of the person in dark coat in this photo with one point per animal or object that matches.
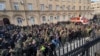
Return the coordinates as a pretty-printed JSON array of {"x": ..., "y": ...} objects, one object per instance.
[
  {"x": 7, "y": 35},
  {"x": 1, "y": 39},
  {"x": 53, "y": 47},
  {"x": 34, "y": 49},
  {"x": 28, "y": 50},
  {"x": 50, "y": 52}
]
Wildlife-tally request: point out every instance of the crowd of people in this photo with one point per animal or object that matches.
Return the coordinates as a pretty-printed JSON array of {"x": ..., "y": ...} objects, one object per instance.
[{"x": 40, "y": 40}]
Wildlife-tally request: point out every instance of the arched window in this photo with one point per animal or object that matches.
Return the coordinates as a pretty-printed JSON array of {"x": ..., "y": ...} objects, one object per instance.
[
  {"x": 51, "y": 18},
  {"x": 69, "y": 15},
  {"x": 64, "y": 16},
  {"x": 43, "y": 18},
  {"x": 32, "y": 20},
  {"x": 58, "y": 17},
  {"x": 19, "y": 21}
]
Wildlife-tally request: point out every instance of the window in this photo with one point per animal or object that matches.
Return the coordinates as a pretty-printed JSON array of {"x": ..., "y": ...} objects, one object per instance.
[
  {"x": 68, "y": 7},
  {"x": 63, "y": 7},
  {"x": 16, "y": 6},
  {"x": 73, "y": 1},
  {"x": 43, "y": 18},
  {"x": 88, "y": 8},
  {"x": 73, "y": 8},
  {"x": 64, "y": 16},
  {"x": 79, "y": 1},
  {"x": 88, "y": 1},
  {"x": 42, "y": 6},
  {"x": 30, "y": 7},
  {"x": 19, "y": 21},
  {"x": 50, "y": 7},
  {"x": 68, "y": 0},
  {"x": 2, "y": 6},
  {"x": 79, "y": 7},
  {"x": 32, "y": 20},
  {"x": 57, "y": 17},
  {"x": 69, "y": 15},
  {"x": 57, "y": 7},
  {"x": 74, "y": 14},
  {"x": 51, "y": 18},
  {"x": 84, "y": 7}
]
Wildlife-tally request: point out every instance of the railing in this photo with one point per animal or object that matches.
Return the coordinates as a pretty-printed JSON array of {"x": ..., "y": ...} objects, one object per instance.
[{"x": 80, "y": 47}]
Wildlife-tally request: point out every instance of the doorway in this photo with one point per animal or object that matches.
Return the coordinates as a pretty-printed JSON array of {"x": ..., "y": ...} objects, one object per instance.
[{"x": 6, "y": 21}]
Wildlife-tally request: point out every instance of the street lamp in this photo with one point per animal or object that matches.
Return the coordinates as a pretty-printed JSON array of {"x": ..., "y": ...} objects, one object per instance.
[{"x": 23, "y": 3}]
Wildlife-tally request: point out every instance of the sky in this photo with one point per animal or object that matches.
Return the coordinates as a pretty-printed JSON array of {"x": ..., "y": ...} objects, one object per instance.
[{"x": 95, "y": 0}]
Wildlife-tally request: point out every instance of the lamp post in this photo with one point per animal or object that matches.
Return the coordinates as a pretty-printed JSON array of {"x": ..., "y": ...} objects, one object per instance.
[{"x": 24, "y": 3}]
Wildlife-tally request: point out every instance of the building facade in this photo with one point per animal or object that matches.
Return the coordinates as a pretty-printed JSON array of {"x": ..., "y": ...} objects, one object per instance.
[
  {"x": 30, "y": 12},
  {"x": 95, "y": 6}
]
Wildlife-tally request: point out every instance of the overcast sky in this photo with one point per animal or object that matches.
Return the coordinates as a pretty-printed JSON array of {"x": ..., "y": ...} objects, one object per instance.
[{"x": 95, "y": 0}]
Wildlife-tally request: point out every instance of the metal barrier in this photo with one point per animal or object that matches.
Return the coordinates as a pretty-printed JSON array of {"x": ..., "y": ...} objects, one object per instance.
[{"x": 80, "y": 47}]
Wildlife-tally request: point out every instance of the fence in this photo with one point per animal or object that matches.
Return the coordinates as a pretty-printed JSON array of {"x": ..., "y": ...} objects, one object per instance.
[{"x": 80, "y": 47}]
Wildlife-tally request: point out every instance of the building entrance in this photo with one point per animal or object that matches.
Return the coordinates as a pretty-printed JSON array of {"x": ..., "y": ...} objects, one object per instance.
[{"x": 6, "y": 21}]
